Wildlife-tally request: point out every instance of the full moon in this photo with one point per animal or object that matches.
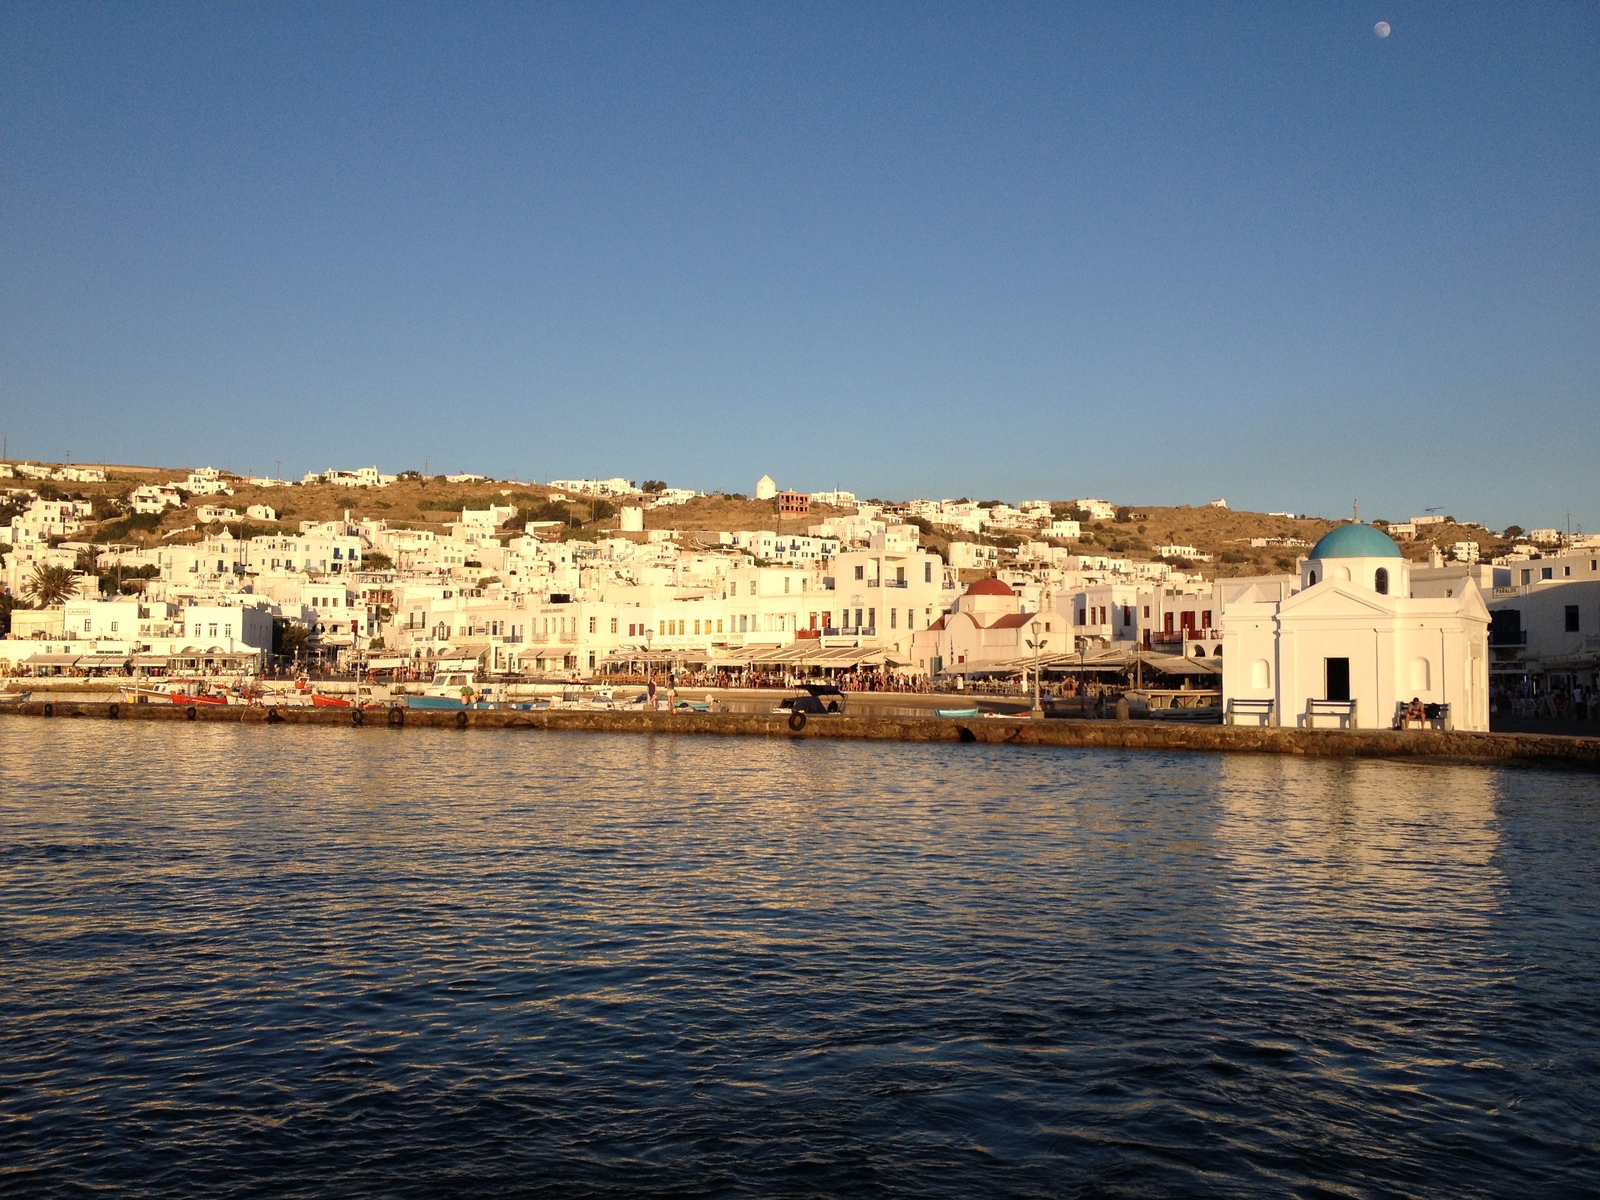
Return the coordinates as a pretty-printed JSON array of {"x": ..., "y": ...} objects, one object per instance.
[{"x": 1381, "y": 29}]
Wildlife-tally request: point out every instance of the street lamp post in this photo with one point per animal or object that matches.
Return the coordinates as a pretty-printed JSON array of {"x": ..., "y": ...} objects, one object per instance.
[{"x": 1036, "y": 644}]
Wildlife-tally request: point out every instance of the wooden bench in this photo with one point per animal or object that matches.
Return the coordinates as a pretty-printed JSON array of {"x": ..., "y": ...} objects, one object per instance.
[
  {"x": 1343, "y": 710},
  {"x": 1254, "y": 708}
]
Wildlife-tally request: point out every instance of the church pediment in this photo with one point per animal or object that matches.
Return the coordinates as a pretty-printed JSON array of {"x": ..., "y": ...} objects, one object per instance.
[{"x": 1336, "y": 598}]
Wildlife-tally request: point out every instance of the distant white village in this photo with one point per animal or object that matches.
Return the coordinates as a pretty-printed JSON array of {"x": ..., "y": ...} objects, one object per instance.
[{"x": 1356, "y": 636}]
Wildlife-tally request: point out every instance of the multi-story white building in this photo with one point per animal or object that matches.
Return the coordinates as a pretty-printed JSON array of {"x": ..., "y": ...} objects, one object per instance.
[
  {"x": 207, "y": 481},
  {"x": 1096, "y": 510},
  {"x": 46, "y": 519},
  {"x": 616, "y": 486},
  {"x": 788, "y": 548},
  {"x": 361, "y": 477},
  {"x": 227, "y": 627},
  {"x": 154, "y": 498},
  {"x": 833, "y": 499},
  {"x": 1544, "y": 637},
  {"x": 973, "y": 556}
]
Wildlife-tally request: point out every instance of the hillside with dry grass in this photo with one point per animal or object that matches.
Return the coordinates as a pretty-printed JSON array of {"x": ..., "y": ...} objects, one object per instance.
[{"x": 1223, "y": 534}]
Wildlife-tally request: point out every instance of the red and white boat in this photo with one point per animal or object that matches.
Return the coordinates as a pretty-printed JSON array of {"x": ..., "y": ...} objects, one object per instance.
[
  {"x": 132, "y": 694},
  {"x": 318, "y": 700},
  {"x": 203, "y": 698}
]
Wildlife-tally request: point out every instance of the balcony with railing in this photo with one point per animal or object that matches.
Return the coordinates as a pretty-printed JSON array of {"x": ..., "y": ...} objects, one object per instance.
[{"x": 1177, "y": 637}]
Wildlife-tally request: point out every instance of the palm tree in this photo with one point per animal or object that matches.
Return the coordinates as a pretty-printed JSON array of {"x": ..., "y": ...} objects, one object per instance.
[{"x": 51, "y": 583}]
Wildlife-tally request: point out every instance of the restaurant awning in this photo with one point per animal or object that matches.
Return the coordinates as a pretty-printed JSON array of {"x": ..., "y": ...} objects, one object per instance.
[
  {"x": 51, "y": 660},
  {"x": 387, "y": 664},
  {"x": 103, "y": 661},
  {"x": 807, "y": 653},
  {"x": 150, "y": 660},
  {"x": 1112, "y": 660},
  {"x": 1175, "y": 664},
  {"x": 463, "y": 655}
]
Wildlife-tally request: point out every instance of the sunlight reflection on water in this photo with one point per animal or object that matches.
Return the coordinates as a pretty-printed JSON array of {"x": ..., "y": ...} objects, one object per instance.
[{"x": 335, "y": 961}]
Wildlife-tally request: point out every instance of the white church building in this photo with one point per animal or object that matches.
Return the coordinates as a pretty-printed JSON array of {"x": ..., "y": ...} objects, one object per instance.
[{"x": 1349, "y": 644}]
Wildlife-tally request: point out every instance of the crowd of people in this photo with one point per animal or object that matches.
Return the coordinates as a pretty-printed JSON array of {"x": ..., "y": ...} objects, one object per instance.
[{"x": 1564, "y": 699}]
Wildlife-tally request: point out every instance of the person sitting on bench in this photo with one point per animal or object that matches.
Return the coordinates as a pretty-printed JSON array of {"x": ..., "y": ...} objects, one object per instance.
[{"x": 1415, "y": 712}]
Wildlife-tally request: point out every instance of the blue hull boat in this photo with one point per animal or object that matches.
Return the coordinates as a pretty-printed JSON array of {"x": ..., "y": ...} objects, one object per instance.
[{"x": 433, "y": 702}]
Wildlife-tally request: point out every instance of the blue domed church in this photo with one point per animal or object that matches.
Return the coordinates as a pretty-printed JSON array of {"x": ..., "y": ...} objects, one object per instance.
[{"x": 1346, "y": 643}]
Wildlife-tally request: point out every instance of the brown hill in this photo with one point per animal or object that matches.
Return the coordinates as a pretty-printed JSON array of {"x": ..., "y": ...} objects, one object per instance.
[{"x": 413, "y": 502}]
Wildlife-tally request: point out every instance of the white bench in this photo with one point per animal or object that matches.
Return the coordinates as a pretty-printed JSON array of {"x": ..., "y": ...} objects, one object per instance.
[
  {"x": 1344, "y": 711},
  {"x": 1253, "y": 708}
]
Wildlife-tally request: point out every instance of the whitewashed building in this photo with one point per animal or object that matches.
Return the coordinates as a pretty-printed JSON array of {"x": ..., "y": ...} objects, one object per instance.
[{"x": 1347, "y": 642}]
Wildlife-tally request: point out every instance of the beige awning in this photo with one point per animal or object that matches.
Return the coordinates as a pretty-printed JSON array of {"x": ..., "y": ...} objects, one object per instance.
[
  {"x": 807, "y": 653},
  {"x": 103, "y": 660},
  {"x": 1175, "y": 664},
  {"x": 51, "y": 660}
]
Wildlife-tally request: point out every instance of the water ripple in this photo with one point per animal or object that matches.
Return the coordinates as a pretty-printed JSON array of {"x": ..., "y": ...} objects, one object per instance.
[{"x": 291, "y": 962}]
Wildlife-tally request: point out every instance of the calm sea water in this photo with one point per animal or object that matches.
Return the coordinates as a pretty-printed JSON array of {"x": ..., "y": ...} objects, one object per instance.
[{"x": 321, "y": 962}]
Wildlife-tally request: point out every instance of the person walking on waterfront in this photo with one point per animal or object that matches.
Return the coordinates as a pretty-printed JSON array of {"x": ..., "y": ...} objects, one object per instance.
[{"x": 650, "y": 691}]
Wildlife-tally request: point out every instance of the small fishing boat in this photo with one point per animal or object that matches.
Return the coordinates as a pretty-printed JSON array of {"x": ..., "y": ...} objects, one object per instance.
[
  {"x": 134, "y": 694},
  {"x": 449, "y": 689},
  {"x": 15, "y": 697},
  {"x": 956, "y": 712},
  {"x": 201, "y": 698},
  {"x": 318, "y": 700}
]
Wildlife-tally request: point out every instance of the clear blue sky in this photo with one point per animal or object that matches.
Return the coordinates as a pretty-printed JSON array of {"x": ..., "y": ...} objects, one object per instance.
[{"x": 1152, "y": 252}]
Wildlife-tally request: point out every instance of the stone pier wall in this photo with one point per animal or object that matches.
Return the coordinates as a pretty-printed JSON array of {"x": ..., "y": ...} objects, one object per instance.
[{"x": 1579, "y": 752}]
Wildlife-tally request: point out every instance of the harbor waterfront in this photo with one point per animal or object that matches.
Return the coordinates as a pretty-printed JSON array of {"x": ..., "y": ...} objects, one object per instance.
[
  {"x": 1551, "y": 750},
  {"x": 296, "y": 960}
]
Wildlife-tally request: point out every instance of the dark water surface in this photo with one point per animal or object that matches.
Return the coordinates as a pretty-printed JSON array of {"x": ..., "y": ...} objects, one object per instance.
[{"x": 282, "y": 961}]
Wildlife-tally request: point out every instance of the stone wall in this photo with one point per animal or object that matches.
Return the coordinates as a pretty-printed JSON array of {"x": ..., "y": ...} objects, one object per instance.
[{"x": 1579, "y": 752}]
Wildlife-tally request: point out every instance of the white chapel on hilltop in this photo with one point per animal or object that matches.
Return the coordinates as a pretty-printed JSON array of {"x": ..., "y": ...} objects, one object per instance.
[{"x": 1350, "y": 641}]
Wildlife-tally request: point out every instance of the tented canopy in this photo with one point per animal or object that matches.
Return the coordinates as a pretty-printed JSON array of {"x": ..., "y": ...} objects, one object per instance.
[
  {"x": 1175, "y": 664},
  {"x": 101, "y": 661},
  {"x": 462, "y": 655},
  {"x": 807, "y": 653},
  {"x": 51, "y": 660}
]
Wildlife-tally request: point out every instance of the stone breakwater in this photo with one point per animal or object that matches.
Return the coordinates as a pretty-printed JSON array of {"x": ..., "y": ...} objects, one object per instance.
[{"x": 1582, "y": 753}]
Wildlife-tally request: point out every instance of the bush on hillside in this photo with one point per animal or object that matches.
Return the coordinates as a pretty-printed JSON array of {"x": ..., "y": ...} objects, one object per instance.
[{"x": 115, "y": 531}]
